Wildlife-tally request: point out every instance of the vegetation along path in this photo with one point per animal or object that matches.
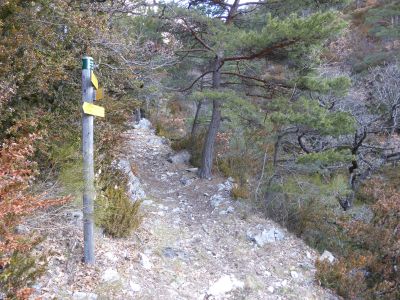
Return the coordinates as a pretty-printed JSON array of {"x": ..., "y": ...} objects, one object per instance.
[{"x": 194, "y": 243}]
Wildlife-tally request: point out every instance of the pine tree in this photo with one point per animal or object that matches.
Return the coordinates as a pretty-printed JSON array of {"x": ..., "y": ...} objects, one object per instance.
[{"x": 224, "y": 37}]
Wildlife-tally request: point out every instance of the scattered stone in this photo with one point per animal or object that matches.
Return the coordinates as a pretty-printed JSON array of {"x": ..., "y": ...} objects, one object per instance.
[
  {"x": 186, "y": 181},
  {"x": 182, "y": 157},
  {"x": 143, "y": 124},
  {"x": 266, "y": 236},
  {"x": 271, "y": 289},
  {"x": 134, "y": 286},
  {"x": 145, "y": 261},
  {"x": 84, "y": 296},
  {"x": 147, "y": 202},
  {"x": 221, "y": 187},
  {"x": 216, "y": 200},
  {"x": 228, "y": 185},
  {"x": 326, "y": 255},
  {"x": 162, "y": 207},
  {"x": 294, "y": 274},
  {"x": 229, "y": 210},
  {"x": 111, "y": 256},
  {"x": 75, "y": 215},
  {"x": 110, "y": 275},
  {"x": 169, "y": 252},
  {"x": 21, "y": 229},
  {"x": 225, "y": 285}
]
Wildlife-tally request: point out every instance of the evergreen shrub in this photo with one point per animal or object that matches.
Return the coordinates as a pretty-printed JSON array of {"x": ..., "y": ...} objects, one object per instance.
[{"x": 117, "y": 214}]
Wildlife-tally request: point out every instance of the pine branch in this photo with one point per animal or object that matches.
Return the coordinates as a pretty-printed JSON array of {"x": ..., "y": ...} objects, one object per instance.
[
  {"x": 197, "y": 38},
  {"x": 261, "y": 53},
  {"x": 194, "y": 82}
]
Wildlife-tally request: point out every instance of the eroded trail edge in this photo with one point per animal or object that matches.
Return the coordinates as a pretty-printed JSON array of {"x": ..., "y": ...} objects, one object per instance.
[{"x": 195, "y": 242}]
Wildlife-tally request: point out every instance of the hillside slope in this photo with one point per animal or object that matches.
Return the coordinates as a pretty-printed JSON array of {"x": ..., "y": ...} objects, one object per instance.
[{"x": 194, "y": 243}]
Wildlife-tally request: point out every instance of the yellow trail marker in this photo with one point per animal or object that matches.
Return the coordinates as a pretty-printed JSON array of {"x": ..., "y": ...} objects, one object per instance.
[
  {"x": 99, "y": 94},
  {"x": 94, "y": 80},
  {"x": 94, "y": 110}
]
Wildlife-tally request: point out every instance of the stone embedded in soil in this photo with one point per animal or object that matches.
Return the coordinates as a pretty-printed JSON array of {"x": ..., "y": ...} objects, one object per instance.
[
  {"x": 326, "y": 255},
  {"x": 185, "y": 181},
  {"x": 225, "y": 285},
  {"x": 169, "y": 252},
  {"x": 134, "y": 286},
  {"x": 216, "y": 200},
  {"x": 84, "y": 296},
  {"x": 147, "y": 202},
  {"x": 182, "y": 157},
  {"x": 226, "y": 186},
  {"x": 294, "y": 274},
  {"x": 266, "y": 236},
  {"x": 145, "y": 261},
  {"x": 110, "y": 275},
  {"x": 111, "y": 256}
]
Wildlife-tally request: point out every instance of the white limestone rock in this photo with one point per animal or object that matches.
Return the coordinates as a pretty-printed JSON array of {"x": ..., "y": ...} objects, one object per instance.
[
  {"x": 84, "y": 296},
  {"x": 326, "y": 255},
  {"x": 110, "y": 275},
  {"x": 225, "y": 284}
]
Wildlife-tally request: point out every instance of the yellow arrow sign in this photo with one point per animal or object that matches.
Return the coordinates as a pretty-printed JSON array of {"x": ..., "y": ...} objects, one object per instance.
[
  {"x": 94, "y": 110},
  {"x": 94, "y": 80},
  {"x": 99, "y": 94}
]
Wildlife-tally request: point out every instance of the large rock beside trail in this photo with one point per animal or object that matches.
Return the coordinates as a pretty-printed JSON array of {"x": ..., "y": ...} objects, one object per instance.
[
  {"x": 135, "y": 189},
  {"x": 181, "y": 157}
]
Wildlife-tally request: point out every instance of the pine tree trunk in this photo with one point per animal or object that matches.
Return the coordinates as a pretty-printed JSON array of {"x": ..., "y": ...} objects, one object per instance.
[
  {"x": 138, "y": 115},
  {"x": 208, "y": 148},
  {"x": 195, "y": 126}
]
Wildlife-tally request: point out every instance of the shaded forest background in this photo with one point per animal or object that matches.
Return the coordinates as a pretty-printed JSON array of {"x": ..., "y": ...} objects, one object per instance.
[{"x": 298, "y": 101}]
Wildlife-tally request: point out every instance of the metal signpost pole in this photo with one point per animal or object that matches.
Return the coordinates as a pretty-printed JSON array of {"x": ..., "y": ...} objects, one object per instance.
[{"x": 88, "y": 164}]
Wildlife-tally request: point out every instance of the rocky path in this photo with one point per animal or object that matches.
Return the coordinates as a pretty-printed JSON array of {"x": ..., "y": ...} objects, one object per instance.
[{"x": 194, "y": 243}]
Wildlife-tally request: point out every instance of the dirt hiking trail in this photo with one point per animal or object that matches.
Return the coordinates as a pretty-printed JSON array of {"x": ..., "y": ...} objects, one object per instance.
[{"x": 195, "y": 242}]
